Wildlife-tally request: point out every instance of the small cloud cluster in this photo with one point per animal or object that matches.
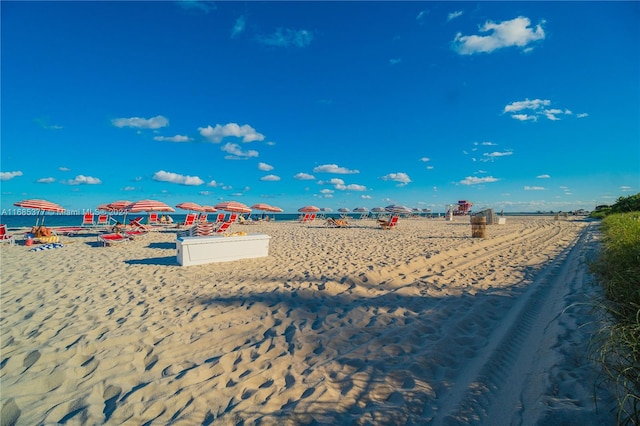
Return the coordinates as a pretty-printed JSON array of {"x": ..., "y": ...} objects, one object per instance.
[
  {"x": 162, "y": 176},
  {"x": 83, "y": 180},
  {"x": 176, "y": 138},
  {"x": 46, "y": 180},
  {"x": 304, "y": 176},
  {"x": 473, "y": 180},
  {"x": 216, "y": 134},
  {"x": 534, "y": 188},
  {"x": 285, "y": 37},
  {"x": 9, "y": 175},
  {"x": 334, "y": 168},
  {"x": 236, "y": 153},
  {"x": 530, "y": 110},
  {"x": 516, "y": 32},
  {"x": 141, "y": 123},
  {"x": 402, "y": 178}
]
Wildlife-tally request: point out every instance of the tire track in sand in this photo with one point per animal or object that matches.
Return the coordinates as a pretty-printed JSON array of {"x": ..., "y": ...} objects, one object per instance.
[{"x": 489, "y": 389}]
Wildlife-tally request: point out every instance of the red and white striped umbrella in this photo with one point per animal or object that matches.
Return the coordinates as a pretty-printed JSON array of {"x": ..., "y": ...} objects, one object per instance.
[
  {"x": 42, "y": 206},
  {"x": 149, "y": 206},
  {"x": 309, "y": 209},
  {"x": 190, "y": 206},
  {"x": 276, "y": 209},
  {"x": 261, "y": 206},
  {"x": 209, "y": 209},
  {"x": 233, "y": 206},
  {"x": 119, "y": 205}
]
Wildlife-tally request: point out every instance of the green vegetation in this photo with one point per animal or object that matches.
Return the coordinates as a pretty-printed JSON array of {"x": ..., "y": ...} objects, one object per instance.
[{"x": 618, "y": 269}]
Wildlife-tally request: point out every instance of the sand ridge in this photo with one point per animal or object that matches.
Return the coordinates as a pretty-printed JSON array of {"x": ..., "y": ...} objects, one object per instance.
[{"x": 350, "y": 325}]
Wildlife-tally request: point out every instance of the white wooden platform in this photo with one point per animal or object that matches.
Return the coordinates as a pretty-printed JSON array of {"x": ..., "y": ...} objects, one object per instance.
[{"x": 217, "y": 248}]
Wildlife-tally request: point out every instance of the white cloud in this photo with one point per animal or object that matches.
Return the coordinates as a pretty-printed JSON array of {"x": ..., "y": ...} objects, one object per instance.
[
  {"x": 401, "y": 178},
  {"x": 534, "y": 188},
  {"x": 350, "y": 187},
  {"x": 532, "y": 109},
  {"x": 545, "y": 176},
  {"x": 129, "y": 188},
  {"x": 303, "y": 176},
  {"x": 527, "y": 104},
  {"x": 83, "y": 180},
  {"x": 285, "y": 37},
  {"x": 524, "y": 117},
  {"x": 327, "y": 191},
  {"x": 515, "y": 32},
  {"x": 236, "y": 153},
  {"x": 489, "y": 144},
  {"x": 454, "y": 15},
  {"x": 472, "y": 180},
  {"x": 582, "y": 115},
  {"x": 213, "y": 183},
  {"x": 425, "y": 159},
  {"x": 216, "y": 134},
  {"x": 270, "y": 178},
  {"x": 265, "y": 167},
  {"x": 141, "y": 123},
  {"x": 497, "y": 154},
  {"x": 366, "y": 197},
  {"x": 46, "y": 180},
  {"x": 9, "y": 175},
  {"x": 334, "y": 168},
  {"x": 422, "y": 16},
  {"x": 625, "y": 188},
  {"x": 176, "y": 138},
  {"x": 64, "y": 169},
  {"x": 239, "y": 26},
  {"x": 163, "y": 176},
  {"x": 429, "y": 167}
]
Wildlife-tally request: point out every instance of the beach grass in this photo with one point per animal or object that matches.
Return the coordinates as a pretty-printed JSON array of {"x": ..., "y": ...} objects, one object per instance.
[{"x": 618, "y": 270}]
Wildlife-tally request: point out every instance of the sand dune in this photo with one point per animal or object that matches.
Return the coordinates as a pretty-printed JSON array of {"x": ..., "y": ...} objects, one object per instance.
[{"x": 416, "y": 325}]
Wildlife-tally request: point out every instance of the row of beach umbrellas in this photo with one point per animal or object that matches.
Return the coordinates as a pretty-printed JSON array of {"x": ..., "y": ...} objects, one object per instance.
[{"x": 127, "y": 206}]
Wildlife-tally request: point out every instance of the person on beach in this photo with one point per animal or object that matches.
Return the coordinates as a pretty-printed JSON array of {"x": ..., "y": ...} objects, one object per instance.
[{"x": 118, "y": 228}]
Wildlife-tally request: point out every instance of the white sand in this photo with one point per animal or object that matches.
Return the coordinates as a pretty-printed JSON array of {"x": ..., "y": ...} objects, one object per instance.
[{"x": 416, "y": 325}]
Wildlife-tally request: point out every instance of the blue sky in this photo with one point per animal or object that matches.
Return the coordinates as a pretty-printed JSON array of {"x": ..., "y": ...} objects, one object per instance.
[{"x": 521, "y": 106}]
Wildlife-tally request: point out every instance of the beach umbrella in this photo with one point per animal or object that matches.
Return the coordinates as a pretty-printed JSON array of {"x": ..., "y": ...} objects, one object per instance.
[
  {"x": 309, "y": 209},
  {"x": 190, "y": 206},
  {"x": 398, "y": 209},
  {"x": 209, "y": 209},
  {"x": 262, "y": 206},
  {"x": 326, "y": 209},
  {"x": 276, "y": 209},
  {"x": 42, "y": 206},
  {"x": 149, "y": 206},
  {"x": 233, "y": 206},
  {"x": 378, "y": 210},
  {"x": 343, "y": 210},
  {"x": 119, "y": 205},
  {"x": 361, "y": 210}
]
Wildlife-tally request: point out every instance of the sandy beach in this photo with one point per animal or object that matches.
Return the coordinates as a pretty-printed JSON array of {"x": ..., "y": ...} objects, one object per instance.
[{"x": 416, "y": 325}]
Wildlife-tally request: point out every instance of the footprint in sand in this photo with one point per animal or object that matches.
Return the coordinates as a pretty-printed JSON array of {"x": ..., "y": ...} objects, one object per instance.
[
  {"x": 10, "y": 413},
  {"x": 30, "y": 359}
]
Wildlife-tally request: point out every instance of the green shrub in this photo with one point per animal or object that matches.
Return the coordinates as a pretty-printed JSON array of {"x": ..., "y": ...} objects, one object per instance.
[{"x": 618, "y": 269}]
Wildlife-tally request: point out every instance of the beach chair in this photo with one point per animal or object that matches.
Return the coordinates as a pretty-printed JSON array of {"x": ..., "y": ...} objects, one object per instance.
[
  {"x": 103, "y": 220},
  {"x": 203, "y": 229},
  {"x": 87, "y": 220},
  {"x": 190, "y": 220},
  {"x": 109, "y": 239},
  {"x": 305, "y": 218},
  {"x": 5, "y": 237},
  {"x": 312, "y": 217},
  {"x": 388, "y": 224},
  {"x": 153, "y": 219},
  {"x": 203, "y": 218},
  {"x": 220, "y": 218},
  {"x": 233, "y": 217},
  {"x": 223, "y": 227}
]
